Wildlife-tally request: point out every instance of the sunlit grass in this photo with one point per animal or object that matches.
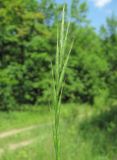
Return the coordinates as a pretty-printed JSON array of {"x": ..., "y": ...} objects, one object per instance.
[{"x": 83, "y": 136}]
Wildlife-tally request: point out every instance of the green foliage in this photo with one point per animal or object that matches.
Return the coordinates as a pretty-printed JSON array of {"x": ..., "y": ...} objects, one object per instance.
[
  {"x": 86, "y": 75},
  {"x": 78, "y": 10},
  {"x": 109, "y": 42},
  {"x": 28, "y": 42},
  {"x": 24, "y": 59}
]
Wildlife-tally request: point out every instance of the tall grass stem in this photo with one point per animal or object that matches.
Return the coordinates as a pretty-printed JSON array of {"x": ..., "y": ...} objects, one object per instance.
[{"x": 58, "y": 74}]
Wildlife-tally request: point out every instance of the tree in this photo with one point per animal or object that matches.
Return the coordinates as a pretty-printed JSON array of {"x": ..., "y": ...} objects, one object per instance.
[
  {"x": 109, "y": 43},
  {"x": 85, "y": 78},
  {"x": 24, "y": 52}
]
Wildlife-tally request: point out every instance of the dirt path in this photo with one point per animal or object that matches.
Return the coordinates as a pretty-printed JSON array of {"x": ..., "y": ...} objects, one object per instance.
[
  {"x": 14, "y": 146},
  {"x": 24, "y": 143},
  {"x": 21, "y": 144},
  {"x": 20, "y": 130}
]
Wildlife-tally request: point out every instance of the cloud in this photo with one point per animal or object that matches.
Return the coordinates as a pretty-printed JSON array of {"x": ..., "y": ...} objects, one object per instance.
[{"x": 101, "y": 3}]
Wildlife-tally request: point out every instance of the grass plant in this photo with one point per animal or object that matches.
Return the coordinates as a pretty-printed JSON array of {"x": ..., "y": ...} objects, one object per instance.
[{"x": 58, "y": 74}]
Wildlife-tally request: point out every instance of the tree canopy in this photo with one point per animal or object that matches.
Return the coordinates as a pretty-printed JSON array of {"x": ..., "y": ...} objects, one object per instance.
[{"x": 28, "y": 44}]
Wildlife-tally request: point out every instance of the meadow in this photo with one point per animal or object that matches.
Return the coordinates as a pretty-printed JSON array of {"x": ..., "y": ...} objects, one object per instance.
[
  {"x": 58, "y": 89},
  {"x": 86, "y": 134}
]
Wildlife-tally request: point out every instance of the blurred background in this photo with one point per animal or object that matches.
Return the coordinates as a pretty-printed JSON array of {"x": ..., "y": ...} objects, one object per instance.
[{"x": 28, "y": 35}]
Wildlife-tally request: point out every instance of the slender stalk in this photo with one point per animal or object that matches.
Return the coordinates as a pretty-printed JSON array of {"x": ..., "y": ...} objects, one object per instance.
[{"x": 58, "y": 73}]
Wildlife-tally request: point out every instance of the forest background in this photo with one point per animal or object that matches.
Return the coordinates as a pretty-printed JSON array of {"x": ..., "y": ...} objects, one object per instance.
[{"x": 28, "y": 33}]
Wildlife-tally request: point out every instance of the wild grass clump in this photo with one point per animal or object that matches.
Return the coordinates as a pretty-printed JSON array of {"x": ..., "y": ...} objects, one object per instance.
[{"x": 58, "y": 73}]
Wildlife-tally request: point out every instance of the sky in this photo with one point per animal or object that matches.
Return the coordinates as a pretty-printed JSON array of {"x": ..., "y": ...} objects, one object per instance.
[{"x": 99, "y": 10}]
